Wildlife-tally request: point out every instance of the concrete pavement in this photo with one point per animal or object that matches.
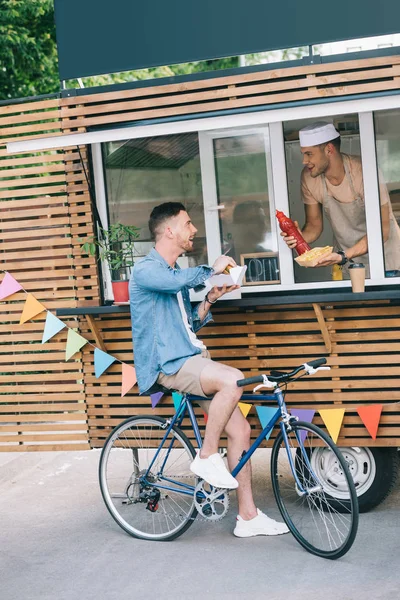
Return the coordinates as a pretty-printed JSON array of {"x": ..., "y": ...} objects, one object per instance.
[{"x": 58, "y": 542}]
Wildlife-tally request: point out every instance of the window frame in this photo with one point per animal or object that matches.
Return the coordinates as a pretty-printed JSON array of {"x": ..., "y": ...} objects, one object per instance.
[{"x": 271, "y": 123}]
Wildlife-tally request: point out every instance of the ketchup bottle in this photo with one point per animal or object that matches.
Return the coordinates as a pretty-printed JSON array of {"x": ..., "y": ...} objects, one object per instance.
[{"x": 290, "y": 228}]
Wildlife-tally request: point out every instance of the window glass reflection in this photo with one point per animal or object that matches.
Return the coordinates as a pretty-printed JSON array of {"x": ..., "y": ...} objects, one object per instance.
[
  {"x": 387, "y": 133},
  {"x": 246, "y": 217},
  {"x": 143, "y": 173}
]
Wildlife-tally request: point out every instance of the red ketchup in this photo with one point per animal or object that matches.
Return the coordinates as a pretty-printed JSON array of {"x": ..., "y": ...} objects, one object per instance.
[{"x": 290, "y": 228}]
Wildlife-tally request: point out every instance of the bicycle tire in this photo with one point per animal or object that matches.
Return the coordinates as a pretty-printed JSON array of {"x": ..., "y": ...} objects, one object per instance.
[
  {"x": 293, "y": 504},
  {"x": 120, "y": 488}
]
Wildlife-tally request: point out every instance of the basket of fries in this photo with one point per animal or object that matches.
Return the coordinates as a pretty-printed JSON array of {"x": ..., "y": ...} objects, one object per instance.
[{"x": 313, "y": 256}]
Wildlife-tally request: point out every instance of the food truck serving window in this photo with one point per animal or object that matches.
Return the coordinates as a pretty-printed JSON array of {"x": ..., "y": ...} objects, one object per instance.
[{"x": 344, "y": 194}]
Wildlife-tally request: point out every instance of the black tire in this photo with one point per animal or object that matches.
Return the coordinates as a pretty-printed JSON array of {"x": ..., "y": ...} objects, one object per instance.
[
  {"x": 374, "y": 472},
  {"x": 383, "y": 477},
  {"x": 124, "y": 458},
  {"x": 309, "y": 515}
]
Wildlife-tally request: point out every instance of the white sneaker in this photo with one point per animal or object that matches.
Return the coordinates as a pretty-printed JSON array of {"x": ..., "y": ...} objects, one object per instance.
[
  {"x": 214, "y": 471},
  {"x": 259, "y": 525}
]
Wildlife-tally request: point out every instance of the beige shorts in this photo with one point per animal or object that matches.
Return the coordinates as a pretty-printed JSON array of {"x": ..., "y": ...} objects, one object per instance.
[{"x": 187, "y": 379}]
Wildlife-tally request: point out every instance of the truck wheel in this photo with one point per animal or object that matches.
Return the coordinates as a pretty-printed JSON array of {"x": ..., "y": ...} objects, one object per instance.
[{"x": 374, "y": 472}]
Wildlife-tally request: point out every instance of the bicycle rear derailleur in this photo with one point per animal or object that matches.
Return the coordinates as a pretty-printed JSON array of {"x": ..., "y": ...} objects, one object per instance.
[{"x": 212, "y": 503}]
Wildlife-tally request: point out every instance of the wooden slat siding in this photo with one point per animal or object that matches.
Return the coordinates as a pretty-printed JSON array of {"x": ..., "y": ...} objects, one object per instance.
[
  {"x": 47, "y": 201},
  {"x": 355, "y": 380},
  {"x": 237, "y": 91},
  {"x": 43, "y": 398}
]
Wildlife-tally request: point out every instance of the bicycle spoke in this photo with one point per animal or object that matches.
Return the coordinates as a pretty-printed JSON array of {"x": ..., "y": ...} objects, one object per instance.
[
  {"x": 134, "y": 479},
  {"x": 322, "y": 523}
]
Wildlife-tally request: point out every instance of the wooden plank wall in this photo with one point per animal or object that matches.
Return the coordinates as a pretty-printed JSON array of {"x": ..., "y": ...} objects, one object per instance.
[
  {"x": 365, "y": 363},
  {"x": 45, "y": 209},
  {"x": 263, "y": 88}
]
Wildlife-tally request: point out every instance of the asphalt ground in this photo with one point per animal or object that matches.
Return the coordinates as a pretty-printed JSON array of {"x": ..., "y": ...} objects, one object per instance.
[{"x": 58, "y": 542}]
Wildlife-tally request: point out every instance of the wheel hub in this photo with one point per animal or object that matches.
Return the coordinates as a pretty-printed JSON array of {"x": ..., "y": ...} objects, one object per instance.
[{"x": 328, "y": 470}]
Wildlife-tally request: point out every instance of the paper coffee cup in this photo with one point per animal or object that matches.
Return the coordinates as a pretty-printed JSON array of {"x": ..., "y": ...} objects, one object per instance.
[{"x": 357, "y": 276}]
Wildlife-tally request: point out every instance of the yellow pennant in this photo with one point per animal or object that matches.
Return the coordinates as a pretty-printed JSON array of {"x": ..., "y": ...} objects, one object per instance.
[
  {"x": 245, "y": 408},
  {"x": 32, "y": 308},
  {"x": 333, "y": 419}
]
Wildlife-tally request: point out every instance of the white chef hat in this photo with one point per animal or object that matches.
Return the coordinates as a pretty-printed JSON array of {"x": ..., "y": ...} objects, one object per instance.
[{"x": 317, "y": 133}]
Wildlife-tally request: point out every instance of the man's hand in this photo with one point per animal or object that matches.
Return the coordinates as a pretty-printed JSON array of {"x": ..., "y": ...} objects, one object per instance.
[
  {"x": 331, "y": 259},
  {"x": 289, "y": 239},
  {"x": 217, "y": 292},
  {"x": 222, "y": 262}
]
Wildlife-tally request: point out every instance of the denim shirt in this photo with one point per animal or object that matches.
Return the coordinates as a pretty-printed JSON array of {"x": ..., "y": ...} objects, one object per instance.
[{"x": 160, "y": 340}]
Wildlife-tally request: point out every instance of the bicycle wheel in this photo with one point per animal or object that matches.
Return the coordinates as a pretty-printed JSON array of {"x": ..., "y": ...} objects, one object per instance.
[
  {"x": 136, "y": 497},
  {"x": 311, "y": 514}
]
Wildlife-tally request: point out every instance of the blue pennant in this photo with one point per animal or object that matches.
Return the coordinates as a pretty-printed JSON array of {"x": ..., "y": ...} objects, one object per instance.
[
  {"x": 266, "y": 414},
  {"x": 102, "y": 361},
  {"x": 52, "y": 326},
  {"x": 177, "y": 399}
]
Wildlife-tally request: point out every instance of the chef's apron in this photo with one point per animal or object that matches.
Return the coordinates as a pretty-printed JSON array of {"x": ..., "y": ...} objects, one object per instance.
[{"x": 349, "y": 225}]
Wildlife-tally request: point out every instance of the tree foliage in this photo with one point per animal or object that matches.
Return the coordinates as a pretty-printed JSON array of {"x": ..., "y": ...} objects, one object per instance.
[{"x": 28, "y": 54}]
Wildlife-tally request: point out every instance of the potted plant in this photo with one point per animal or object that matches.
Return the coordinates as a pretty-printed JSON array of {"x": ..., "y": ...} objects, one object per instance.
[{"x": 116, "y": 246}]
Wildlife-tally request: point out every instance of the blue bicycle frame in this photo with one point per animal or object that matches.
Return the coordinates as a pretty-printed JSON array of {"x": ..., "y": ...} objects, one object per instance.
[{"x": 187, "y": 408}]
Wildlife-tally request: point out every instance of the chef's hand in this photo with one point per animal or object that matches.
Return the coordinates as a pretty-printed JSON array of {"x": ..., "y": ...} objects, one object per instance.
[
  {"x": 217, "y": 292},
  {"x": 222, "y": 262},
  {"x": 289, "y": 239},
  {"x": 331, "y": 259}
]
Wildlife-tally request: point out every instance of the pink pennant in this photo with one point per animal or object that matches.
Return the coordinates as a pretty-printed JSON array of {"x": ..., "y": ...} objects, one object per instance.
[
  {"x": 155, "y": 398},
  {"x": 128, "y": 379},
  {"x": 9, "y": 286}
]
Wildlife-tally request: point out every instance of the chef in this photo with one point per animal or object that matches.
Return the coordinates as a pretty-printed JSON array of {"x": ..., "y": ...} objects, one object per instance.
[{"x": 332, "y": 184}]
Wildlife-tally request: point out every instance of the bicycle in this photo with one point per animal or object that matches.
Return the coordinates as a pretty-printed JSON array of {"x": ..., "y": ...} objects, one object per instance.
[{"x": 151, "y": 493}]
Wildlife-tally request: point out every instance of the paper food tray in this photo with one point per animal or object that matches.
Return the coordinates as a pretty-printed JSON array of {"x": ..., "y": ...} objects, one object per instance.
[
  {"x": 313, "y": 256},
  {"x": 235, "y": 277}
]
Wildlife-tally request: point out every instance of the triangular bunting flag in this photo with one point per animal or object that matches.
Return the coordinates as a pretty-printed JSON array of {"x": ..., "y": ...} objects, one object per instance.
[
  {"x": 32, "y": 308},
  {"x": 52, "y": 326},
  {"x": 370, "y": 416},
  {"x": 74, "y": 343},
  {"x": 266, "y": 414},
  {"x": 304, "y": 414},
  {"x": 128, "y": 379},
  {"x": 245, "y": 408},
  {"x": 333, "y": 419},
  {"x": 177, "y": 399},
  {"x": 9, "y": 286},
  {"x": 102, "y": 361},
  {"x": 155, "y": 398}
]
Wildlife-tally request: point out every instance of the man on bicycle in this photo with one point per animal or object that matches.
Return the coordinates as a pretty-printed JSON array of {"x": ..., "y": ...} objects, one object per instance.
[{"x": 168, "y": 352}]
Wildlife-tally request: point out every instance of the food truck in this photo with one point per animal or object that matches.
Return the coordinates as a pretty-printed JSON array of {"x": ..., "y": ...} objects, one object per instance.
[{"x": 226, "y": 145}]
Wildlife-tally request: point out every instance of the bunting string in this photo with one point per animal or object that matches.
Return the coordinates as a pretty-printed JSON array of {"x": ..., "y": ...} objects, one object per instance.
[
  {"x": 332, "y": 418},
  {"x": 53, "y": 325}
]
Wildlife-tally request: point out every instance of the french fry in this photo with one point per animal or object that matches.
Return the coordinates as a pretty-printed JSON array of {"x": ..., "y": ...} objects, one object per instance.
[{"x": 313, "y": 256}]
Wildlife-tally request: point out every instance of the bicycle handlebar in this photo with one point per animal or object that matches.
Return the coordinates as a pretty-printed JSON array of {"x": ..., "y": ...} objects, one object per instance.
[{"x": 314, "y": 364}]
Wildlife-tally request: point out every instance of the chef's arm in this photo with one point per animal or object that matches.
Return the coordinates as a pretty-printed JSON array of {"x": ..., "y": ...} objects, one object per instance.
[
  {"x": 314, "y": 222},
  {"x": 385, "y": 219},
  {"x": 360, "y": 248},
  {"x": 362, "y": 245}
]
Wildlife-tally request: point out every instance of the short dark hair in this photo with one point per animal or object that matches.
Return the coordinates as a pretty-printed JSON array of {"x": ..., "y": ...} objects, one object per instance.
[
  {"x": 335, "y": 142},
  {"x": 162, "y": 213}
]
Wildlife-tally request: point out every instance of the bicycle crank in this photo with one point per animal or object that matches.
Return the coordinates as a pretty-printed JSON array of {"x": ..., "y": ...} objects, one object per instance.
[{"x": 212, "y": 503}]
